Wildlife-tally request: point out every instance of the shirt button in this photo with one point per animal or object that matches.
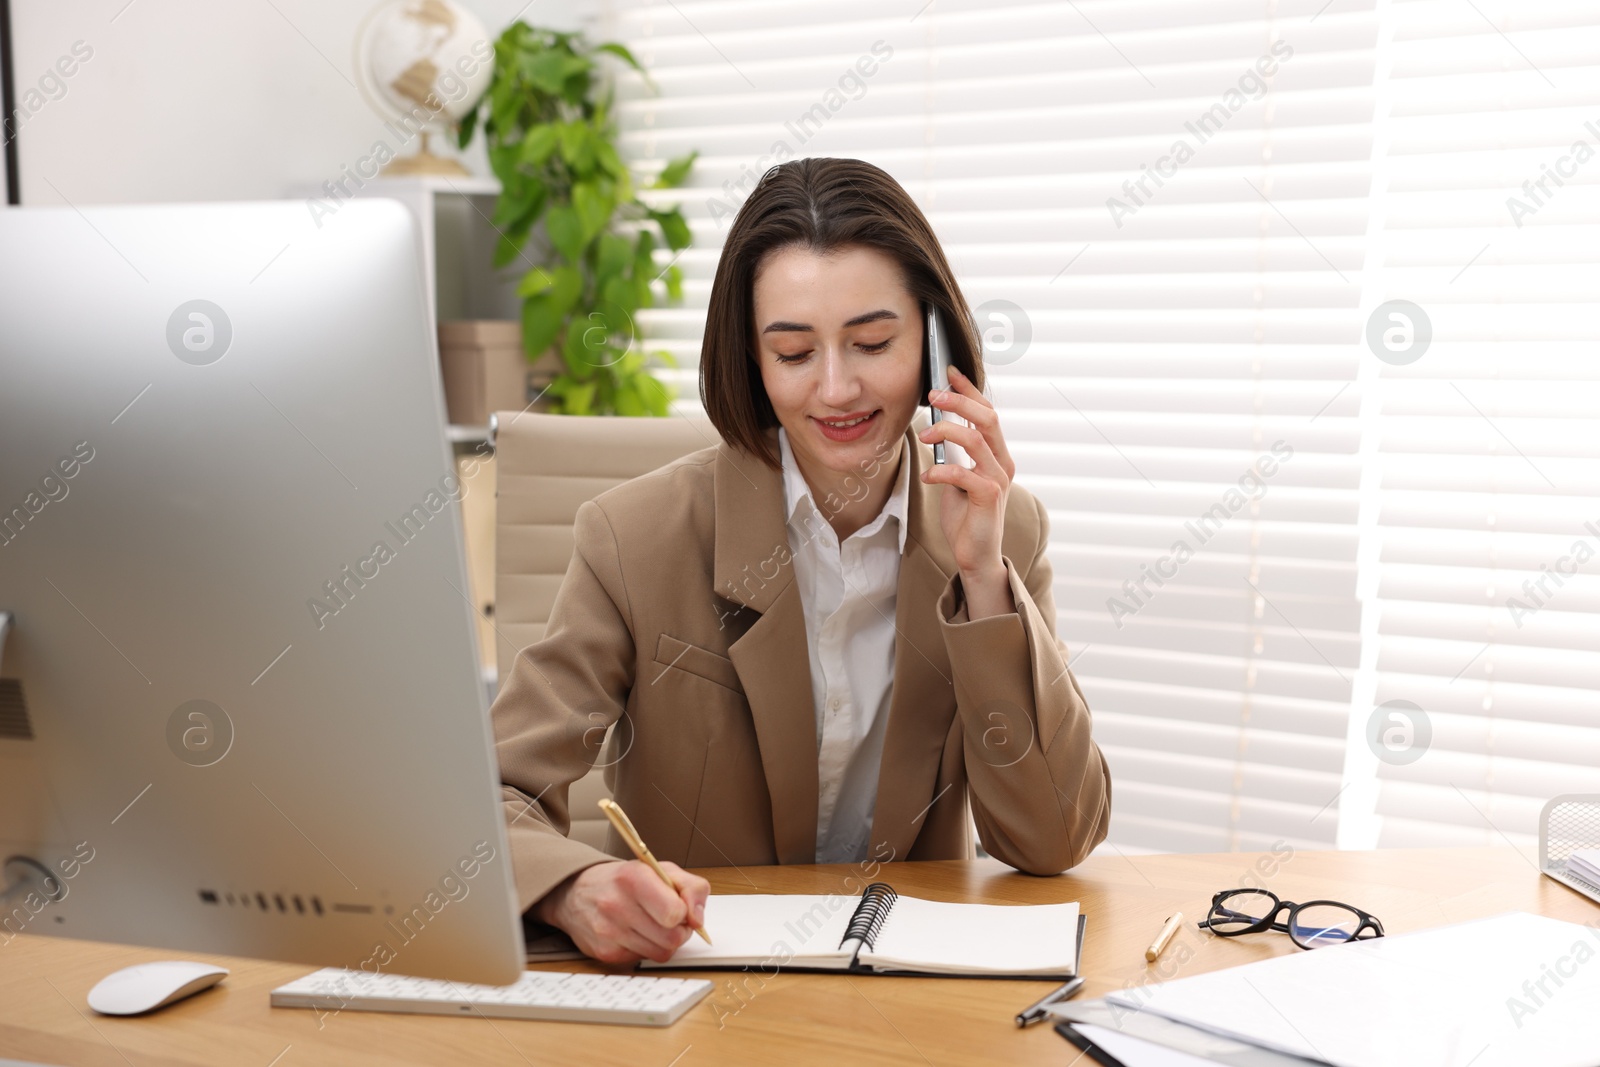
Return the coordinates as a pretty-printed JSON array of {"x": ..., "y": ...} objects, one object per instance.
[{"x": 834, "y": 704}]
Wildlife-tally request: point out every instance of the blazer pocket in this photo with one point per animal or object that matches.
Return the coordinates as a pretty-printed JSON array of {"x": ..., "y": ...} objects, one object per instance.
[{"x": 673, "y": 654}]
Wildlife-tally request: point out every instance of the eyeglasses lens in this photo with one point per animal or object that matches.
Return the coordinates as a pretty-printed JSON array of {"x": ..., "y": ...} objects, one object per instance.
[
  {"x": 1324, "y": 924},
  {"x": 1239, "y": 911}
]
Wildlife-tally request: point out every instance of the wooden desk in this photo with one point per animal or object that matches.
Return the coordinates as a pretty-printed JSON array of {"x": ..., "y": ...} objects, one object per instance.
[{"x": 789, "y": 1018}]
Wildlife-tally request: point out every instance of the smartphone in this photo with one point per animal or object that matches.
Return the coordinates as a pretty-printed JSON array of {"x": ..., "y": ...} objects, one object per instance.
[{"x": 936, "y": 360}]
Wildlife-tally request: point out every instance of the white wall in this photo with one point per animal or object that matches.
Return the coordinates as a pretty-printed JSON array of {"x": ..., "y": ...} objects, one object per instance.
[{"x": 214, "y": 100}]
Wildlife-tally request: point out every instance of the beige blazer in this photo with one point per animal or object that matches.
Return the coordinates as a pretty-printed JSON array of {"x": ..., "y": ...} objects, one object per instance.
[{"x": 679, "y": 621}]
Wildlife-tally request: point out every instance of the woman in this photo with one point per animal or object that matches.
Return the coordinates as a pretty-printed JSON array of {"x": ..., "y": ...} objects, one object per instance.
[{"x": 815, "y": 644}]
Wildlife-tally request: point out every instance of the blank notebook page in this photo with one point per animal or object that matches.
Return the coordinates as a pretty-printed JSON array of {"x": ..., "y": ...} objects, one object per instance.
[
  {"x": 928, "y": 935},
  {"x": 761, "y": 927}
]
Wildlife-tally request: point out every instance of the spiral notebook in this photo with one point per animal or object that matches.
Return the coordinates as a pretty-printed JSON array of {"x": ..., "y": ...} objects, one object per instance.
[{"x": 884, "y": 932}]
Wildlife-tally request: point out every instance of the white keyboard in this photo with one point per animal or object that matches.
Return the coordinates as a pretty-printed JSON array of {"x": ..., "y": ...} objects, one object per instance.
[{"x": 633, "y": 1000}]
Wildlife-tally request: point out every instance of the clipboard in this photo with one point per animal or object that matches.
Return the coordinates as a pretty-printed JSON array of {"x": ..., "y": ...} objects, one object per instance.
[{"x": 1157, "y": 1030}]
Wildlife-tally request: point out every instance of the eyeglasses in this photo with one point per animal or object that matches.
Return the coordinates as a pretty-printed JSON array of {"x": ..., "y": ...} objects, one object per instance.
[{"x": 1314, "y": 924}]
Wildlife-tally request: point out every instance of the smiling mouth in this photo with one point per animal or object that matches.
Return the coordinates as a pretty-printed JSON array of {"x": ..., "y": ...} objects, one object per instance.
[{"x": 848, "y": 428}]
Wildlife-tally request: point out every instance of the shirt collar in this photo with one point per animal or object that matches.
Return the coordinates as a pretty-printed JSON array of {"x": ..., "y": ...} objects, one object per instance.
[{"x": 796, "y": 492}]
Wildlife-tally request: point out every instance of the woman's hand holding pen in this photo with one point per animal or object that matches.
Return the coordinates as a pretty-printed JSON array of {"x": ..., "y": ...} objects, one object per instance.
[
  {"x": 621, "y": 911},
  {"x": 974, "y": 519}
]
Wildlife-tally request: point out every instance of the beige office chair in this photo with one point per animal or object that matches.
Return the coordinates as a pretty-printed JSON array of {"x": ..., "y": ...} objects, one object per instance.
[{"x": 546, "y": 466}]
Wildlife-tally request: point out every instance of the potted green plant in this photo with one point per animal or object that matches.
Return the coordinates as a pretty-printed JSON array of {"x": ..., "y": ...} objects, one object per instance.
[{"x": 551, "y": 137}]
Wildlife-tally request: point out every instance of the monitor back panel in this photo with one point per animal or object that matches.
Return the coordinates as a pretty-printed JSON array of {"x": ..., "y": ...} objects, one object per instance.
[{"x": 246, "y": 712}]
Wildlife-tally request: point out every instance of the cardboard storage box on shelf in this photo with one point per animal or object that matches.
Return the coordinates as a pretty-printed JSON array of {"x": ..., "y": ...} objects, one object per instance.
[{"x": 485, "y": 370}]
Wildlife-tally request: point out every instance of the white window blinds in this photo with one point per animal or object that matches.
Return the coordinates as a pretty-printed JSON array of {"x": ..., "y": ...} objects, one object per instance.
[
  {"x": 1483, "y": 513},
  {"x": 1176, "y": 197}
]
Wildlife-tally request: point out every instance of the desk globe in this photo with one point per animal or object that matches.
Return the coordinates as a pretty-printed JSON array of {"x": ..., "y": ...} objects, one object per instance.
[{"x": 421, "y": 65}]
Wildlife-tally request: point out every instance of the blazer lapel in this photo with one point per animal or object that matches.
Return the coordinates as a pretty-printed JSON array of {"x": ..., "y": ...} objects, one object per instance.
[
  {"x": 752, "y": 567},
  {"x": 923, "y": 702}
]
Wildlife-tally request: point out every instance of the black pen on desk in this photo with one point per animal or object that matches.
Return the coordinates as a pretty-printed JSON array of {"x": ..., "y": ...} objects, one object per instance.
[{"x": 1036, "y": 1011}]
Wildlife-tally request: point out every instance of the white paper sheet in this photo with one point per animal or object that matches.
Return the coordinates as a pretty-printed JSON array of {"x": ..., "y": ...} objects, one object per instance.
[
  {"x": 1511, "y": 991},
  {"x": 1585, "y": 862}
]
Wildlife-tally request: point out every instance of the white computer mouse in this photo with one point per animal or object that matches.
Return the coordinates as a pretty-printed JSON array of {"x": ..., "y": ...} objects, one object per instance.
[{"x": 148, "y": 986}]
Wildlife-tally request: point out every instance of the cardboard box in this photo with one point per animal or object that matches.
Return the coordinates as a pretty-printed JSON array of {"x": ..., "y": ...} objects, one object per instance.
[{"x": 485, "y": 370}]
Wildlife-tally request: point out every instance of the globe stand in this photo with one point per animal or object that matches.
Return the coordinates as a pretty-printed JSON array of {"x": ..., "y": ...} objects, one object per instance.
[{"x": 424, "y": 162}]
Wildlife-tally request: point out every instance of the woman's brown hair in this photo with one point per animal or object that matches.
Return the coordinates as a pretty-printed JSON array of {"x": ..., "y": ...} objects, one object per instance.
[{"x": 823, "y": 204}]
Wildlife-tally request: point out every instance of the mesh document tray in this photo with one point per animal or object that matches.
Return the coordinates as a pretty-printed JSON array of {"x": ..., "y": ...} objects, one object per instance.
[{"x": 1567, "y": 824}]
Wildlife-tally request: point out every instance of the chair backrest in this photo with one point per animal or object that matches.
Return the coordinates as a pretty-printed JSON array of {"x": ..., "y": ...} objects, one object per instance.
[{"x": 546, "y": 466}]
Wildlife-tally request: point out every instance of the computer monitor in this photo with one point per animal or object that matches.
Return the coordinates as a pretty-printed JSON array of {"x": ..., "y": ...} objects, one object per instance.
[{"x": 243, "y": 709}]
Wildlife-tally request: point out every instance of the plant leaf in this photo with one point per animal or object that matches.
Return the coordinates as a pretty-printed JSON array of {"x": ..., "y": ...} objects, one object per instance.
[
  {"x": 622, "y": 53},
  {"x": 606, "y": 156},
  {"x": 503, "y": 104},
  {"x": 541, "y": 322},
  {"x": 503, "y": 160},
  {"x": 506, "y": 249},
  {"x": 627, "y": 57},
  {"x": 513, "y": 213},
  {"x": 514, "y": 233},
  {"x": 550, "y": 130},
  {"x": 592, "y": 209},
  {"x": 543, "y": 313},
  {"x": 567, "y": 285},
  {"x": 578, "y": 149},
  {"x": 580, "y": 399},
  {"x": 565, "y": 228},
  {"x": 673, "y": 228},
  {"x": 644, "y": 264},
  {"x": 536, "y": 281},
  {"x": 652, "y": 394},
  {"x": 628, "y": 402},
  {"x": 612, "y": 257},
  {"x": 538, "y": 143},
  {"x": 673, "y": 174},
  {"x": 469, "y": 123},
  {"x": 583, "y": 347},
  {"x": 575, "y": 90},
  {"x": 618, "y": 290},
  {"x": 548, "y": 69}
]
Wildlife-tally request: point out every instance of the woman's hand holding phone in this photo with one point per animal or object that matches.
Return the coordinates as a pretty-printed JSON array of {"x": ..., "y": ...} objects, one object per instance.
[{"x": 973, "y": 518}]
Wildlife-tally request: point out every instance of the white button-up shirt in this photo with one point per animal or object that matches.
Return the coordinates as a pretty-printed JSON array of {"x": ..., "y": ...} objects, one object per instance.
[{"x": 848, "y": 595}]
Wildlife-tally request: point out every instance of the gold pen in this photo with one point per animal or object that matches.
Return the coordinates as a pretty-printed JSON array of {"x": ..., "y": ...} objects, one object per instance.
[
  {"x": 1159, "y": 945},
  {"x": 625, "y": 829}
]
